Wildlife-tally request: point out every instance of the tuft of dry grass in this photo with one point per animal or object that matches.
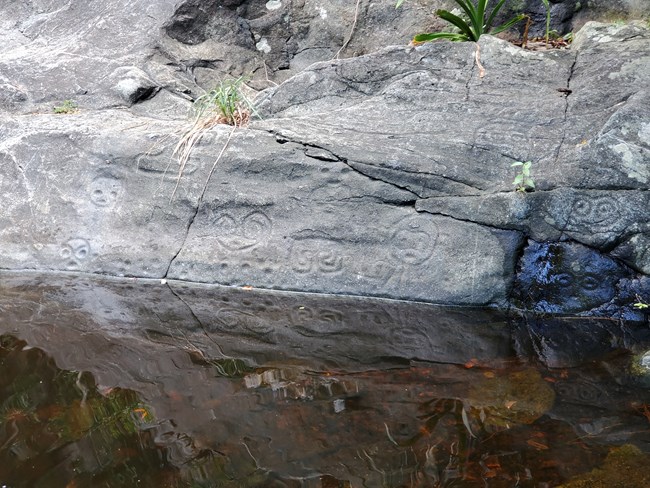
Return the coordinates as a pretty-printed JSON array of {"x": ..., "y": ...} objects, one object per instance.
[{"x": 224, "y": 104}]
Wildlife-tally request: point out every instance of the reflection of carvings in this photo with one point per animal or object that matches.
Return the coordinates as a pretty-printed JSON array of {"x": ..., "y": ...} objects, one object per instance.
[
  {"x": 414, "y": 240},
  {"x": 320, "y": 321},
  {"x": 376, "y": 318},
  {"x": 233, "y": 320},
  {"x": 585, "y": 281},
  {"x": 74, "y": 252},
  {"x": 236, "y": 233},
  {"x": 104, "y": 192},
  {"x": 316, "y": 255},
  {"x": 410, "y": 339},
  {"x": 581, "y": 392}
]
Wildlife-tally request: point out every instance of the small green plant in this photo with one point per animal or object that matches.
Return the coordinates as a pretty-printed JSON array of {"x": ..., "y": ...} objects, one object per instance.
[
  {"x": 641, "y": 304},
  {"x": 227, "y": 102},
  {"x": 471, "y": 28},
  {"x": 547, "y": 6},
  {"x": 523, "y": 182},
  {"x": 67, "y": 107}
]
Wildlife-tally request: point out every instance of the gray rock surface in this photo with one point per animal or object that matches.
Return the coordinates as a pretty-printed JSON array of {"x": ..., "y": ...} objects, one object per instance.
[{"x": 385, "y": 175}]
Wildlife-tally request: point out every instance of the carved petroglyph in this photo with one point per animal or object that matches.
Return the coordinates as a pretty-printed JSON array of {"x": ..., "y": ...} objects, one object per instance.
[
  {"x": 316, "y": 256},
  {"x": 411, "y": 340},
  {"x": 593, "y": 213},
  {"x": 233, "y": 320},
  {"x": 379, "y": 271},
  {"x": 414, "y": 240},
  {"x": 585, "y": 281},
  {"x": 74, "y": 253},
  {"x": 317, "y": 321},
  {"x": 581, "y": 392},
  {"x": 237, "y": 233},
  {"x": 105, "y": 192},
  {"x": 375, "y": 318},
  {"x": 151, "y": 166},
  {"x": 567, "y": 278}
]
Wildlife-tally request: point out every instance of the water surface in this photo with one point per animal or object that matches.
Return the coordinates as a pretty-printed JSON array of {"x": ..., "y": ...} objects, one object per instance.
[{"x": 128, "y": 383}]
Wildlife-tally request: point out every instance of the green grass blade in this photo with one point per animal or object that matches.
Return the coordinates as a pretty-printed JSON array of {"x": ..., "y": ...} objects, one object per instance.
[
  {"x": 508, "y": 24},
  {"x": 468, "y": 7},
  {"x": 488, "y": 24},
  {"x": 480, "y": 15},
  {"x": 472, "y": 14},
  {"x": 451, "y": 36},
  {"x": 458, "y": 22}
]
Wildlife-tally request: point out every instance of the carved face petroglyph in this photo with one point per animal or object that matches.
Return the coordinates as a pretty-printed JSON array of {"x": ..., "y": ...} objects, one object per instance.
[
  {"x": 568, "y": 278},
  {"x": 104, "y": 192},
  {"x": 74, "y": 252},
  {"x": 237, "y": 233},
  {"x": 414, "y": 240}
]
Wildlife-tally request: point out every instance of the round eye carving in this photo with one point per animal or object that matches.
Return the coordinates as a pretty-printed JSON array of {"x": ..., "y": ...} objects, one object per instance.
[
  {"x": 605, "y": 209},
  {"x": 104, "y": 192},
  {"x": 256, "y": 225},
  {"x": 81, "y": 252},
  {"x": 329, "y": 261},
  {"x": 582, "y": 208},
  {"x": 226, "y": 224}
]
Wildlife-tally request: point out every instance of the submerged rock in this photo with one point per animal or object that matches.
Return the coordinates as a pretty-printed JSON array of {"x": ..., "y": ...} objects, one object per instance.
[
  {"x": 566, "y": 278},
  {"x": 628, "y": 460}
]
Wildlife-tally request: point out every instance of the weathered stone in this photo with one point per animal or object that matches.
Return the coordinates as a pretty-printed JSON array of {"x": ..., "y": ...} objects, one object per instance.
[
  {"x": 606, "y": 141},
  {"x": 402, "y": 99},
  {"x": 133, "y": 84},
  {"x": 364, "y": 241},
  {"x": 596, "y": 218},
  {"x": 79, "y": 196},
  {"x": 386, "y": 175}
]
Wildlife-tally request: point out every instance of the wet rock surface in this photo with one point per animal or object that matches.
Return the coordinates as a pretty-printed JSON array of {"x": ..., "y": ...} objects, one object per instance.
[
  {"x": 263, "y": 326},
  {"x": 383, "y": 175}
]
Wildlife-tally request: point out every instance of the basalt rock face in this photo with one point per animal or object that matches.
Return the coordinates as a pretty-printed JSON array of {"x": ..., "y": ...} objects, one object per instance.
[{"x": 384, "y": 175}]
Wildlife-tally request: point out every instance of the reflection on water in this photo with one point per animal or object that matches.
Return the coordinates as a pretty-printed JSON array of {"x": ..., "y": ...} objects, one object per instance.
[
  {"x": 57, "y": 427},
  {"x": 103, "y": 385},
  {"x": 422, "y": 426}
]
